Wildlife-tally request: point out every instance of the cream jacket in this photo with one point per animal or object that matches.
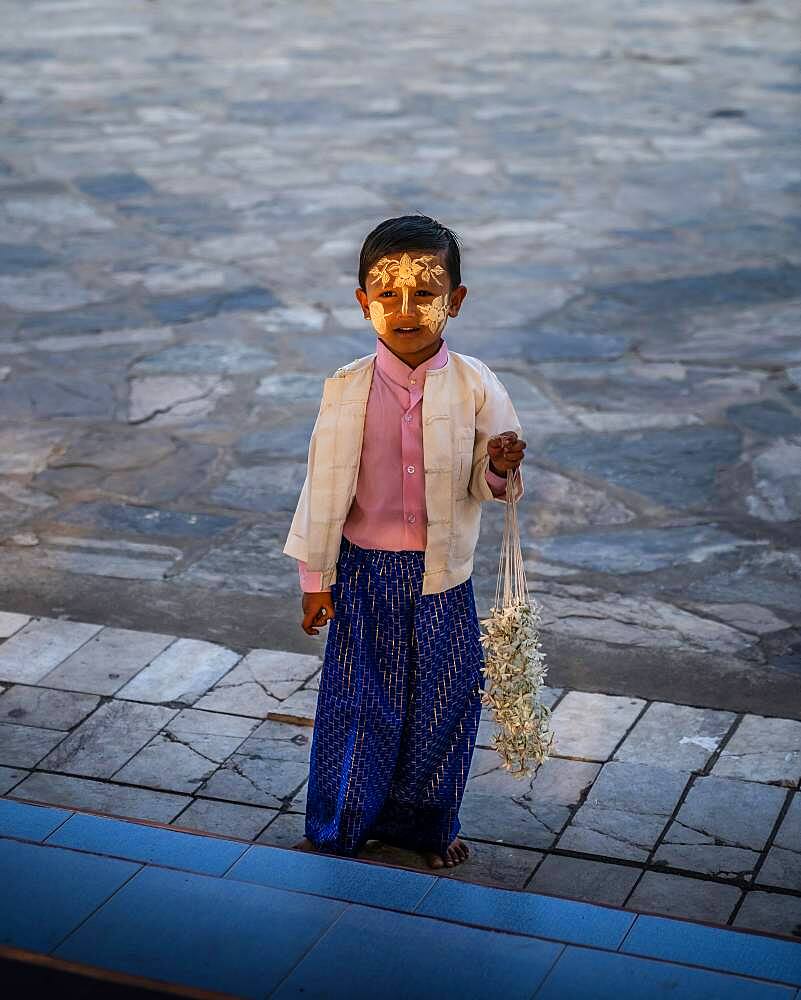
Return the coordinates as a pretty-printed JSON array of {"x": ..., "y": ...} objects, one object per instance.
[{"x": 464, "y": 404}]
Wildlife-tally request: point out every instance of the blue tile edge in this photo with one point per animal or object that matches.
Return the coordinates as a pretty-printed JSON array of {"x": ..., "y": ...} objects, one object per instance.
[
  {"x": 760, "y": 955},
  {"x": 25, "y": 820}
]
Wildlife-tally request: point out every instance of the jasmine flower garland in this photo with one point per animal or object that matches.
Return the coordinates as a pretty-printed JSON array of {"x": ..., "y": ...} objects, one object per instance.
[{"x": 514, "y": 661}]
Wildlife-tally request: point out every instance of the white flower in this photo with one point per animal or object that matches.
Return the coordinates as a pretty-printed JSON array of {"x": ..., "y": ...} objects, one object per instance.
[{"x": 515, "y": 671}]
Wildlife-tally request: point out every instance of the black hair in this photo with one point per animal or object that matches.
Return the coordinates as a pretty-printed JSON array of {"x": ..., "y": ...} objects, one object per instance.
[{"x": 411, "y": 232}]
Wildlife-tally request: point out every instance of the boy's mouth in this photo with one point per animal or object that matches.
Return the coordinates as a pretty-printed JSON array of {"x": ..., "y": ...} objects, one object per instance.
[{"x": 406, "y": 331}]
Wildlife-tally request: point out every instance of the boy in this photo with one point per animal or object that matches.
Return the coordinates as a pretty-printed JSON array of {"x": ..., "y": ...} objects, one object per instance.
[{"x": 408, "y": 443}]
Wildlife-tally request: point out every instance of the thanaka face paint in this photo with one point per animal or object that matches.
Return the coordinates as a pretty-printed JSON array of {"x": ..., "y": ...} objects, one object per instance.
[{"x": 403, "y": 275}]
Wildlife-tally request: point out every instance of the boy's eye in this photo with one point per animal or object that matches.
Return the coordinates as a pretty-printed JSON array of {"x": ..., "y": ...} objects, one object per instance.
[
  {"x": 382, "y": 294},
  {"x": 423, "y": 291}
]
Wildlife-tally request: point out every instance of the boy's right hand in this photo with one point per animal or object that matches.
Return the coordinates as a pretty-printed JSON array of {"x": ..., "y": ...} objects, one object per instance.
[{"x": 318, "y": 609}]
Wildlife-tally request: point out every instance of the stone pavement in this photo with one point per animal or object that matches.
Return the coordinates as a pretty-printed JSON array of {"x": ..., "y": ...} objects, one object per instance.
[
  {"x": 183, "y": 191},
  {"x": 652, "y": 806}
]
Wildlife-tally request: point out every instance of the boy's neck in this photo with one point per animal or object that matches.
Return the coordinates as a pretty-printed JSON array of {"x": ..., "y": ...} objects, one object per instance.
[{"x": 419, "y": 357}]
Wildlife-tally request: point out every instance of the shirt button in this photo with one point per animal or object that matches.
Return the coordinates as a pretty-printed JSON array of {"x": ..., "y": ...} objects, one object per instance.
[
  {"x": 407, "y": 417},
  {"x": 411, "y": 519},
  {"x": 413, "y": 381},
  {"x": 410, "y": 468}
]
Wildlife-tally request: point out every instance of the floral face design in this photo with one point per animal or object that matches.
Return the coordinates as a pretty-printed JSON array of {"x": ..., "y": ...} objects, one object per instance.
[{"x": 404, "y": 274}]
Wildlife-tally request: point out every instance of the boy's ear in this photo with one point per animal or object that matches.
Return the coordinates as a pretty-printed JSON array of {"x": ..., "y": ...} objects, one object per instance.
[
  {"x": 361, "y": 298},
  {"x": 457, "y": 298}
]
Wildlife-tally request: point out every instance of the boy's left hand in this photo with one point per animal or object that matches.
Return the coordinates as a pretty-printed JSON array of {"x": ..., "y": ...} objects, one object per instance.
[{"x": 505, "y": 451}]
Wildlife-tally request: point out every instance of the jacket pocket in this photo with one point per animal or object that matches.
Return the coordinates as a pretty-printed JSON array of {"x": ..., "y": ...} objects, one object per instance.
[{"x": 463, "y": 465}]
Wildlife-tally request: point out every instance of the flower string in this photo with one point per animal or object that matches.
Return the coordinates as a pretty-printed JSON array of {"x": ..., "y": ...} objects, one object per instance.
[{"x": 514, "y": 660}]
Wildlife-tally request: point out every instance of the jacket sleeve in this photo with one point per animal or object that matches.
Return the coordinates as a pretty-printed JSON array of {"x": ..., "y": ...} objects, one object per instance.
[
  {"x": 310, "y": 580},
  {"x": 495, "y": 414},
  {"x": 297, "y": 540}
]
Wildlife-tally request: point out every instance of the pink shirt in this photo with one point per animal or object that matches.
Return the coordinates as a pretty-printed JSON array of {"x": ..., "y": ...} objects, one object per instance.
[{"x": 389, "y": 508}]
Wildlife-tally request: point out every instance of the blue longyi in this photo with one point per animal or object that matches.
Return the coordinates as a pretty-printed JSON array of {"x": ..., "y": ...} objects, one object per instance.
[{"x": 398, "y": 708}]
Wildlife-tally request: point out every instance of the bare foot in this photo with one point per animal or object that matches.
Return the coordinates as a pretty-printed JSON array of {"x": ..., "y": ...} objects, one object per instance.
[
  {"x": 304, "y": 845},
  {"x": 456, "y": 853}
]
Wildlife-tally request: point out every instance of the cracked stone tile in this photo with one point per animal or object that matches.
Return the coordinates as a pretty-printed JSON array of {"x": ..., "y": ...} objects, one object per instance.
[
  {"x": 25, "y": 746},
  {"x": 529, "y": 813},
  {"x": 721, "y": 827},
  {"x": 774, "y": 912},
  {"x": 187, "y": 752},
  {"x": 174, "y": 399},
  {"x": 11, "y": 623},
  {"x": 255, "y": 778},
  {"x": 101, "y": 796},
  {"x": 782, "y": 866},
  {"x": 582, "y": 878},
  {"x": 680, "y": 896},
  {"x": 281, "y": 741},
  {"x": 612, "y": 833},
  {"x": 746, "y": 617},
  {"x": 641, "y": 621},
  {"x": 40, "y": 646},
  {"x": 260, "y": 683},
  {"x": 625, "y": 811},
  {"x": 45, "y": 708},
  {"x": 678, "y": 737},
  {"x": 107, "y": 661},
  {"x": 11, "y": 776},
  {"x": 229, "y": 819},
  {"x": 591, "y": 725},
  {"x": 300, "y": 707},
  {"x": 108, "y": 738},
  {"x": 763, "y": 749},
  {"x": 183, "y": 672}
]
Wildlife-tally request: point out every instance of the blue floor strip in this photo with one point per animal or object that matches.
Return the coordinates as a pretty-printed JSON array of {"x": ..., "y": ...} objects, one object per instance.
[{"x": 249, "y": 920}]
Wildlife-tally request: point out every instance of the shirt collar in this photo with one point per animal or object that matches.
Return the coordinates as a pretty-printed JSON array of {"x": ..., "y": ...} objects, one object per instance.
[{"x": 399, "y": 372}]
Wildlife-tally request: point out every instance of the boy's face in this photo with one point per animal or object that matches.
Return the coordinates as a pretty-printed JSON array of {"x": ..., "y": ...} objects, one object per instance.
[{"x": 409, "y": 299}]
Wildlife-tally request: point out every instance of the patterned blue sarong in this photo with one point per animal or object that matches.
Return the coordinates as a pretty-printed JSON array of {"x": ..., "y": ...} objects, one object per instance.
[{"x": 398, "y": 708}]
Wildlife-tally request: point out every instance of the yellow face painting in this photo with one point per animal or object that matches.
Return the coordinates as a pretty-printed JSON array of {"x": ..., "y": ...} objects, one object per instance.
[{"x": 402, "y": 275}]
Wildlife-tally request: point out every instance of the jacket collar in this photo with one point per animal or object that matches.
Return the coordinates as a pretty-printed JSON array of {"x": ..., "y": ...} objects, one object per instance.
[{"x": 397, "y": 371}]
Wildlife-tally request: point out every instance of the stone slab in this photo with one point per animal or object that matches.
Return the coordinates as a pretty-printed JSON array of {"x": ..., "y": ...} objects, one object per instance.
[
  {"x": 45, "y": 708},
  {"x": 182, "y": 673},
  {"x": 11, "y": 623},
  {"x": 229, "y": 819},
  {"x": 762, "y": 749},
  {"x": 582, "y": 878},
  {"x": 625, "y": 811},
  {"x": 722, "y": 826},
  {"x": 25, "y": 746},
  {"x": 40, "y": 646},
  {"x": 773, "y": 912},
  {"x": 186, "y": 752},
  {"x": 590, "y": 726},
  {"x": 285, "y": 830},
  {"x": 782, "y": 866},
  {"x": 300, "y": 707},
  {"x": 678, "y": 737},
  {"x": 108, "y": 738},
  {"x": 260, "y": 682},
  {"x": 107, "y": 661},
  {"x": 104, "y": 797},
  {"x": 11, "y": 776},
  {"x": 680, "y": 896}
]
